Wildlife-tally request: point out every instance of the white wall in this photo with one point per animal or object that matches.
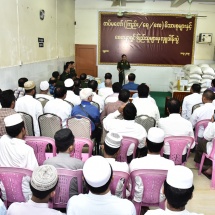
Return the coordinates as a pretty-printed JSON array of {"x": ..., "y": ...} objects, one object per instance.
[{"x": 86, "y": 32}]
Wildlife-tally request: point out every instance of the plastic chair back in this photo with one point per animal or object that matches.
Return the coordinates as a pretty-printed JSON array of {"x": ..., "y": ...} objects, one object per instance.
[
  {"x": 95, "y": 104},
  {"x": 196, "y": 106},
  {"x": 177, "y": 145},
  {"x": 146, "y": 121},
  {"x": 28, "y": 121},
  {"x": 70, "y": 103},
  {"x": 11, "y": 178},
  {"x": 39, "y": 144},
  {"x": 152, "y": 181},
  {"x": 126, "y": 142},
  {"x": 49, "y": 124},
  {"x": 202, "y": 123},
  {"x": 43, "y": 101}
]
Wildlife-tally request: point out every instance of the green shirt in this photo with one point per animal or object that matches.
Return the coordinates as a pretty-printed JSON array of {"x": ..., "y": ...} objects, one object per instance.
[
  {"x": 73, "y": 73},
  {"x": 123, "y": 65},
  {"x": 65, "y": 76}
]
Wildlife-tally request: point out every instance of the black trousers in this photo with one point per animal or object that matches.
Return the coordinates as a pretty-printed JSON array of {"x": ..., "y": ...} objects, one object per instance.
[
  {"x": 122, "y": 77},
  {"x": 97, "y": 134}
]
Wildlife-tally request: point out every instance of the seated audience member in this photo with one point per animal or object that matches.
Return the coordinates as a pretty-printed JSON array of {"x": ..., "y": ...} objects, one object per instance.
[
  {"x": 3, "y": 210},
  {"x": 94, "y": 86},
  {"x": 70, "y": 95},
  {"x": 58, "y": 82},
  {"x": 144, "y": 105},
  {"x": 28, "y": 104},
  {"x": 203, "y": 112},
  {"x": 66, "y": 72},
  {"x": 107, "y": 90},
  {"x": 212, "y": 88},
  {"x": 77, "y": 85},
  {"x": 191, "y": 100},
  {"x": 64, "y": 141},
  {"x": 44, "y": 89},
  {"x": 130, "y": 85},
  {"x": 58, "y": 106},
  {"x": 178, "y": 189},
  {"x": 56, "y": 75},
  {"x": 7, "y": 100},
  {"x": 113, "y": 106},
  {"x": 107, "y": 76},
  {"x": 127, "y": 127},
  {"x": 112, "y": 146},
  {"x": 72, "y": 70},
  {"x": 175, "y": 125},
  {"x": 43, "y": 184},
  {"x": 84, "y": 80},
  {"x": 116, "y": 87},
  {"x": 153, "y": 160},
  {"x": 14, "y": 152},
  {"x": 20, "y": 91},
  {"x": 52, "y": 85},
  {"x": 98, "y": 175}
]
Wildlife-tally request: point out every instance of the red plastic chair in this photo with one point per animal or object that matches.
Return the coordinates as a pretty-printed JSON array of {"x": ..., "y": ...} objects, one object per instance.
[
  {"x": 39, "y": 145},
  {"x": 117, "y": 176},
  {"x": 211, "y": 156},
  {"x": 11, "y": 177},
  {"x": 62, "y": 190},
  {"x": 152, "y": 181},
  {"x": 177, "y": 145},
  {"x": 126, "y": 142},
  {"x": 202, "y": 123}
]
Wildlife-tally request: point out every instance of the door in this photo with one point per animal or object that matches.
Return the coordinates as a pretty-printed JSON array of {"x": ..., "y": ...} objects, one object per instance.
[{"x": 85, "y": 59}]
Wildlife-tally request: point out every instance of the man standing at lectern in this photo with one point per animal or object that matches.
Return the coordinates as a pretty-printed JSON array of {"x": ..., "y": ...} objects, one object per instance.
[{"x": 121, "y": 67}]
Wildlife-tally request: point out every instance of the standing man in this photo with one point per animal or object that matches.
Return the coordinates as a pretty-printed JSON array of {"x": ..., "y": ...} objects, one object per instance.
[{"x": 121, "y": 67}]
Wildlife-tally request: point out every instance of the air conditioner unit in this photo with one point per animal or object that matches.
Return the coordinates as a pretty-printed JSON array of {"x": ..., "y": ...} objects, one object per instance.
[{"x": 205, "y": 38}]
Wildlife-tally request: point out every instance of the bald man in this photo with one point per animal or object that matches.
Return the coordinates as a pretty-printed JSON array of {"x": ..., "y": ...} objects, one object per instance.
[{"x": 107, "y": 90}]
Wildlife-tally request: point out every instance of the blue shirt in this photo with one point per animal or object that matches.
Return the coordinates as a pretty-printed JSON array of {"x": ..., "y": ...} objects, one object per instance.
[
  {"x": 102, "y": 85},
  {"x": 130, "y": 86},
  {"x": 90, "y": 109},
  {"x": 51, "y": 89}
]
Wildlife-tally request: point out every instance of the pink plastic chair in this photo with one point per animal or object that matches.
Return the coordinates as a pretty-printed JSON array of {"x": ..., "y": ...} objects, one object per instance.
[
  {"x": 177, "y": 145},
  {"x": 126, "y": 142},
  {"x": 39, "y": 145},
  {"x": 212, "y": 158},
  {"x": 117, "y": 176},
  {"x": 62, "y": 190},
  {"x": 11, "y": 177},
  {"x": 79, "y": 144},
  {"x": 202, "y": 123},
  {"x": 152, "y": 181}
]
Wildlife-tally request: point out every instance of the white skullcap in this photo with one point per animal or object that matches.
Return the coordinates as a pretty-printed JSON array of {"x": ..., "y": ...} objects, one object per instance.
[
  {"x": 29, "y": 85},
  {"x": 68, "y": 82},
  {"x": 180, "y": 177},
  {"x": 85, "y": 93},
  {"x": 155, "y": 135},
  {"x": 96, "y": 171},
  {"x": 13, "y": 119},
  {"x": 44, "y": 85},
  {"x": 113, "y": 140},
  {"x": 44, "y": 177}
]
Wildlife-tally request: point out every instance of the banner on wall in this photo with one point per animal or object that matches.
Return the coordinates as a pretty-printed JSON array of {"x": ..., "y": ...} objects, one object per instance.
[{"x": 154, "y": 39}]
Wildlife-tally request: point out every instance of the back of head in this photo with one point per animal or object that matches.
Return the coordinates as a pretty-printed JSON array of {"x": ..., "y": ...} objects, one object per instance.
[
  {"x": 174, "y": 106},
  {"x": 112, "y": 143},
  {"x": 55, "y": 74},
  {"x": 208, "y": 95},
  {"x": 124, "y": 95},
  {"x": 129, "y": 111},
  {"x": 21, "y": 82},
  {"x": 69, "y": 83},
  {"x": 131, "y": 77},
  {"x": 77, "y": 82},
  {"x": 93, "y": 85},
  {"x": 196, "y": 88},
  {"x": 116, "y": 87},
  {"x": 7, "y": 98},
  {"x": 213, "y": 83},
  {"x": 143, "y": 91},
  {"x": 60, "y": 92},
  {"x": 44, "y": 85},
  {"x": 83, "y": 76},
  {"x": 66, "y": 66},
  {"x": 29, "y": 86},
  {"x": 108, "y": 83},
  {"x": 85, "y": 93},
  {"x": 108, "y": 75}
]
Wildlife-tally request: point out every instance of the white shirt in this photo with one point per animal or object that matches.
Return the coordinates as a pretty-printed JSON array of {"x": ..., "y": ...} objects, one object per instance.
[
  {"x": 168, "y": 212},
  {"x": 175, "y": 125},
  {"x": 148, "y": 162},
  {"x": 146, "y": 106},
  {"x": 91, "y": 204},
  {"x": 99, "y": 100},
  {"x": 105, "y": 92},
  {"x": 127, "y": 128},
  {"x": 46, "y": 96},
  {"x": 30, "y": 207},
  {"x": 71, "y": 97},
  {"x": 59, "y": 108},
  {"x": 3, "y": 210},
  {"x": 32, "y": 107},
  {"x": 102, "y": 85},
  {"x": 112, "y": 98},
  {"x": 188, "y": 103}
]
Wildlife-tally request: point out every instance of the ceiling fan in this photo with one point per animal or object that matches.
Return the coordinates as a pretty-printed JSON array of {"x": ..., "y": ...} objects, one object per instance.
[{"x": 189, "y": 15}]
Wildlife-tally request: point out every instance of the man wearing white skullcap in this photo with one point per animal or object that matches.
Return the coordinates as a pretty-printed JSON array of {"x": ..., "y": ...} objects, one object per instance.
[
  {"x": 112, "y": 146},
  {"x": 43, "y": 183},
  {"x": 70, "y": 95},
  {"x": 44, "y": 89},
  {"x": 98, "y": 175},
  {"x": 178, "y": 189},
  {"x": 153, "y": 160},
  {"x": 14, "y": 152}
]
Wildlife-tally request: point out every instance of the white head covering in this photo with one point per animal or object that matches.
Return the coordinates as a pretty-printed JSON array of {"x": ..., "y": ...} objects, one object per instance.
[
  {"x": 44, "y": 178},
  {"x": 12, "y": 120},
  {"x": 29, "y": 85},
  {"x": 86, "y": 93},
  {"x": 68, "y": 82},
  {"x": 44, "y": 85},
  {"x": 180, "y": 177},
  {"x": 113, "y": 140},
  {"x": 155, "y": 135},
  {"x": 96, "y": 171}
]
